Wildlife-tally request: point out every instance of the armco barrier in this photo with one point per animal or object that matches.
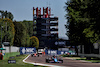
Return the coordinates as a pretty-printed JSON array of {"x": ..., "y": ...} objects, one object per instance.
[{"x": 28, "y": 50}]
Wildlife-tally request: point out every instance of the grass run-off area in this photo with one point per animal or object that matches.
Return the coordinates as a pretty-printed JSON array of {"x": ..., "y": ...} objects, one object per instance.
[
  {"x": 19, "y": 61},
  {"x": 7, "y": 55},
  {"x": 93, "y": 60}
]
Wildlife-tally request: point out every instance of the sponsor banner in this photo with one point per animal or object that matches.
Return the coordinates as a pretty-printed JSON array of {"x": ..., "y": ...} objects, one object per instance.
[
  {"x": 56, "y": 52},
  {"x": 29, "y": 50},
  {"x": 62, "y": 52},
  {"x": 52, "y": 52},
  {"x": 60, "y": 43},
  {"x": 11, "y": 61}
]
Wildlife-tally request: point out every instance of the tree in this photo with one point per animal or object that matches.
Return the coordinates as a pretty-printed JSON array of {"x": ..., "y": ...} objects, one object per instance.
[
  {"x": 83, "y": 21},
  {"x": 29, "y": 26},
  {"x": 34, "y": 41},
  {"x": 2, "y": 13},
  {"x": 22, "y": 38},
  {"x": 10, "y": 15},
  {"x": 6, "y": 14},
  {"x": 8, "y": 31},
  {"x": 77, "y": 20},
  {"x": 93, "y": 29}
]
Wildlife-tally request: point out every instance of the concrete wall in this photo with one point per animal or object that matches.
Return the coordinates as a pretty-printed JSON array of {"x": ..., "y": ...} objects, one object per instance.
[{"x": 13, "y": 49}]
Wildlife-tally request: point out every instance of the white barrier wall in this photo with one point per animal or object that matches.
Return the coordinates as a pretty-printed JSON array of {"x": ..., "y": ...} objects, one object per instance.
[{"x": 13, "y": 49}]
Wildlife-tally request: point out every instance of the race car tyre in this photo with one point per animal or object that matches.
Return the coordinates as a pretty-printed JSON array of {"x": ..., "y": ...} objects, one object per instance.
[
  {"x": 31, "y": 55},
  {"x": 62, "y": 61},
  {"x": 47, "y": 61}
]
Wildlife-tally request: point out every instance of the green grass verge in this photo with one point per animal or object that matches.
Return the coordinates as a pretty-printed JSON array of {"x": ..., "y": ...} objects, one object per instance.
[
  {"x": 7, "y": 55},
  {"x": 66, "y": 55},
  {"x": 93, "y": 60},
  {"x": 19, "y": 62}
]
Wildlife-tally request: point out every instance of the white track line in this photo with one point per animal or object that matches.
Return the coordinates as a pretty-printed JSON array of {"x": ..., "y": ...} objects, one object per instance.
[{"x": 40, "y": 63}]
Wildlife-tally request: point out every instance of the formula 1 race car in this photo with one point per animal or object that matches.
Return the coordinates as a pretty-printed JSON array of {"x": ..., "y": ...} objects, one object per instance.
[
  {"x": 54, "y": 59},
  {"x": 35, "y": 55}
]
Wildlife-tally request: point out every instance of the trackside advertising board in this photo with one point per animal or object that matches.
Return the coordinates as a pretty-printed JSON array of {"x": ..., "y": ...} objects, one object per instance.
[
  {"x": 56, "y": 52},
  {"x": 28, "y": 50}
]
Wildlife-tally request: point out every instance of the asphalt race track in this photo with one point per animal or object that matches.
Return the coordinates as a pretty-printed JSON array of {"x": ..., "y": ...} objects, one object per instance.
[{"x": 66, "y": 62}]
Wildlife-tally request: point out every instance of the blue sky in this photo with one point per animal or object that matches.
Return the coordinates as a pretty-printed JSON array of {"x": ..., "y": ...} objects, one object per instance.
[{"x": 22, "y": 10}]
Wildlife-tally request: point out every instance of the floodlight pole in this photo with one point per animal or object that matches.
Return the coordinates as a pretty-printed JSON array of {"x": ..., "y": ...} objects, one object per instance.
[
  {"x": 6, "y": 32},
  {"x": 1, "y": 37}
]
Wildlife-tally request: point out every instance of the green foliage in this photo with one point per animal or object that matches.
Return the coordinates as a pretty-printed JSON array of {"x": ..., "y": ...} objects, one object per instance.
[
  {"x": 83, "y": 21},
  {"x": 21, "y": 35},
  {"x": 5, "y": 14},
  {"x": 29, "y": 26},
  {"x": 91, "y": 34},
  {"x": 34, "y": 41},
  {"x": 18, "y": 33},
  {"x": 8, "y": 31},
  {"x": 24, "y": 30}
]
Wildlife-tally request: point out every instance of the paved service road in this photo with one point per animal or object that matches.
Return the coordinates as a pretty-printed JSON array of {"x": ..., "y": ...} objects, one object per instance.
[{"x": 66, "y": 62}]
